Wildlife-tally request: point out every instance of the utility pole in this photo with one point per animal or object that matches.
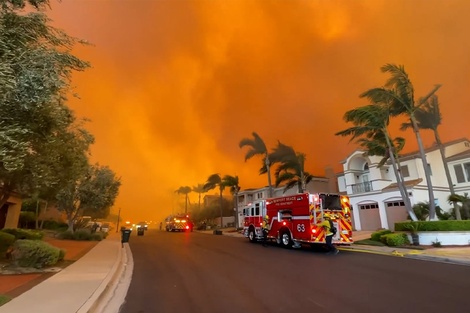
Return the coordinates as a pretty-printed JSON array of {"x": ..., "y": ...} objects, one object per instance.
[{"x": 119, "y": 217}]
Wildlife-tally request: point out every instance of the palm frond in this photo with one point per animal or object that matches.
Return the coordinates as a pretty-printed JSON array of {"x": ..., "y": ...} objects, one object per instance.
[
  {"x": 257, "y": 146},
  {"x": 213, "y": 181}
]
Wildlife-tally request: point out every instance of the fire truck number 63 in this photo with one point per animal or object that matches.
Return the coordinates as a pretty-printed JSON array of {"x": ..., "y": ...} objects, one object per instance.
[{"x": 300, "y": 228}]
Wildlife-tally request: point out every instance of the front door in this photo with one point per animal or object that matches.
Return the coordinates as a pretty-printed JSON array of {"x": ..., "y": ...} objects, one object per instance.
[{"x": 3, "y": 215}]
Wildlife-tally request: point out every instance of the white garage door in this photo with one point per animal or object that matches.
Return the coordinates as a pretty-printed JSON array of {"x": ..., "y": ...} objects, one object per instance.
[
  {"x": 370, "y": 216},
  {"x": 396, "y": 212}
]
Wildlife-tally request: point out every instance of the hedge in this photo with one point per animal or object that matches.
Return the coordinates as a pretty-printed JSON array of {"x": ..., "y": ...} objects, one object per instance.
[
  {"x": 35, "y": 253},
  {"x": 446, "y": 225},
  {"x": 378, "y": 234},
  {"x": 395, "y": 239},
  {"x": 20, "y": 233},
  {"x": 6, "y": 240}
]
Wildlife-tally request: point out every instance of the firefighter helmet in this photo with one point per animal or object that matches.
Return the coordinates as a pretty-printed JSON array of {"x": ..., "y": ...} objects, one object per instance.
[{"x": 267, "y": 216}]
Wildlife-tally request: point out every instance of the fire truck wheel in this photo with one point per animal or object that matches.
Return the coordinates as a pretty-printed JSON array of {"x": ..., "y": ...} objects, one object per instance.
[
  {"x": 251, "y": 235},
  {"x": 286, "y": 240}
]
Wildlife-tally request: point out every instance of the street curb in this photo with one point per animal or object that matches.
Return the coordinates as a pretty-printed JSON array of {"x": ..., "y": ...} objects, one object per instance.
[
  {"x": 115, "y": 297},
  {"x": 107, "y": 285},
  {"x": 439, "y": 259},
  {"x": 413, "y": 255}
]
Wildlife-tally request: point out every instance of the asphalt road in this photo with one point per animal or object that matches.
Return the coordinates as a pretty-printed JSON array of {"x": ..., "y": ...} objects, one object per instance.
[{"x": 201, "y": 273}]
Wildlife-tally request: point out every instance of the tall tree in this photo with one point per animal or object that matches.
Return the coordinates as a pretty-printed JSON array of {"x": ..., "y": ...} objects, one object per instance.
[
  {"x": 95, "y": 191},
  {"x": 398, "y": 94},
  {"x": 36, "y": 66},
  {"x": 429, "y": 117},
  {"x": 98, "y": 191},
  {"x": 371, "y": 129},
  {"x": 291, "y": 168},
  {"x": 232, "y": 182},
  {"x": 214, "y": 181},
  {"x": 258, "y": 147},
  {"x": 199, "y": 189},
  {"x": 185, "y": 190}
]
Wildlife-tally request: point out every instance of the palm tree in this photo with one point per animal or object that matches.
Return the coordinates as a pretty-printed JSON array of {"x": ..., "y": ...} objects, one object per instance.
[
  {"x": 398, "y": 94},
  {"x": 464, "y": 201},
  {"x": 429, "y": 117},
  {"x": 258, "y": 147},
  {"x": 212, "y": 182},
  {"x": 291, "y": 169},
  {"x": 199, "y": 189},
  {"x": 185, "y": 190},
  {"x": 371, "y": 127},
  {"x": 232, "y": 182}
]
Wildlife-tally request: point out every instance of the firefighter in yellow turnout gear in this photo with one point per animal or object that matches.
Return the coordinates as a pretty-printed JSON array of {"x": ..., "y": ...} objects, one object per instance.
[
  {"x": 327, "y": 224},
  {"x": 265, "y": 228}
]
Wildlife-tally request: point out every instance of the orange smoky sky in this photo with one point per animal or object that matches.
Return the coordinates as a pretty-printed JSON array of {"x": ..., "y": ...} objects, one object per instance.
[{"x": 175, "y": 85}]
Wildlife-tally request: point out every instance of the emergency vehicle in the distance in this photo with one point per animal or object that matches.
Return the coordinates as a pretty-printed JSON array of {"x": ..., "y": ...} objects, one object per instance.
[
  {"x": 294, "y": 220},
  {"x": 179, "y": 223}
]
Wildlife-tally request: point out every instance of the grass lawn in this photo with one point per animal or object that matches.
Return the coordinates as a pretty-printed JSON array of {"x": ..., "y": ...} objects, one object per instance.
[
  {"x": 4, "y": 299},
  {"x": 369, "y": 242}
]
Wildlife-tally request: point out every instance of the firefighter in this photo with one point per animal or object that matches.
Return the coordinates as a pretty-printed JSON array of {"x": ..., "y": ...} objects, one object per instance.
[
  {"x": 326, "y": 224},
  {"x": 265, "y": 230}
]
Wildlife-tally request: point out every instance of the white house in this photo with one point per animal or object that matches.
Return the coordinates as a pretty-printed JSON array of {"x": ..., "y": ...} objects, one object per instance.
[{"x": 373, "y": 191}]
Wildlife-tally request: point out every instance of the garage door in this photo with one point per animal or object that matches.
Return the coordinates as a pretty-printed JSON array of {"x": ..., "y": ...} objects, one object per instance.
[
  {"x": 370, "y": 216},
  {"x": 396, "y": 212}
]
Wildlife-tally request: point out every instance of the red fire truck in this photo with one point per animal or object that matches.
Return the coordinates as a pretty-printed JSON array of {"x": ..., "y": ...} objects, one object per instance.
[
  {"x": 294, "y": 219},
  {"x": 179, "y": 223}
]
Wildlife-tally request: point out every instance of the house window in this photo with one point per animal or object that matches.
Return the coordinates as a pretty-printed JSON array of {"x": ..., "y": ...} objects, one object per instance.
[
  {"x": 260, "y": 195},
  {"x": 366, "y": 167},
  {"x": 396, "y": 203},
  {"x": 462, "y": 172},
  {"x": 369, "y": 206},
  {"x": 404, "y": 171},
  {"x": 429, "y": 168}
]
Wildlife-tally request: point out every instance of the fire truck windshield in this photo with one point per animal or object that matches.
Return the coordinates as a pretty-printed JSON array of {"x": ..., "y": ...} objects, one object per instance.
[{"x": 331, "y": 202}]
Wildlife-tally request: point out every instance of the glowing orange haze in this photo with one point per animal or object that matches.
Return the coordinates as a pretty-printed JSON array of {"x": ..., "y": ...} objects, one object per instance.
[{"x": 176, "y": 84}]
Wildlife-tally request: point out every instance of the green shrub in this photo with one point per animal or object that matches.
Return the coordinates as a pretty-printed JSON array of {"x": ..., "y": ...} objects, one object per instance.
[
  {"x": 82, "y": 234},
  {"x": 436, "y": 244},
  {"x": 61, "y": 255},
  {"x": 55, "y": 225},
  {"x": 447, "y": 225},
  {"x": 27, "y": 219},
  {"x": 34, "y": 253},
  {"x": 29, "y": 234},
  {"x": 6, "y": 240},
  {"x": 376, "y": 235},
  {"x": 65, "y": 235},
  {"x": 395, "y": 239}
]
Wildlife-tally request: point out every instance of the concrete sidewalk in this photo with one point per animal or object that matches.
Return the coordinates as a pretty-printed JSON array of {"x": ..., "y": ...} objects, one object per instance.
[{"x": 80, "y": 287}]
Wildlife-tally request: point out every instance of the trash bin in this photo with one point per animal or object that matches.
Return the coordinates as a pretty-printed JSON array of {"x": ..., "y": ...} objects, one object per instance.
[
  {"x": 125, "y": 234},
  {"x": 140, "y": 231}
]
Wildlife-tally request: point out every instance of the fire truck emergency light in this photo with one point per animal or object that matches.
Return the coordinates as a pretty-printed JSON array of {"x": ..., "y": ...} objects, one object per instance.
[{"x": 284, "y": 223}]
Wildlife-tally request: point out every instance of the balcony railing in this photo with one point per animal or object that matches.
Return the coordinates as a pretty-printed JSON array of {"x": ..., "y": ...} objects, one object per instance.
[{"x": 362, "y": 187}]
